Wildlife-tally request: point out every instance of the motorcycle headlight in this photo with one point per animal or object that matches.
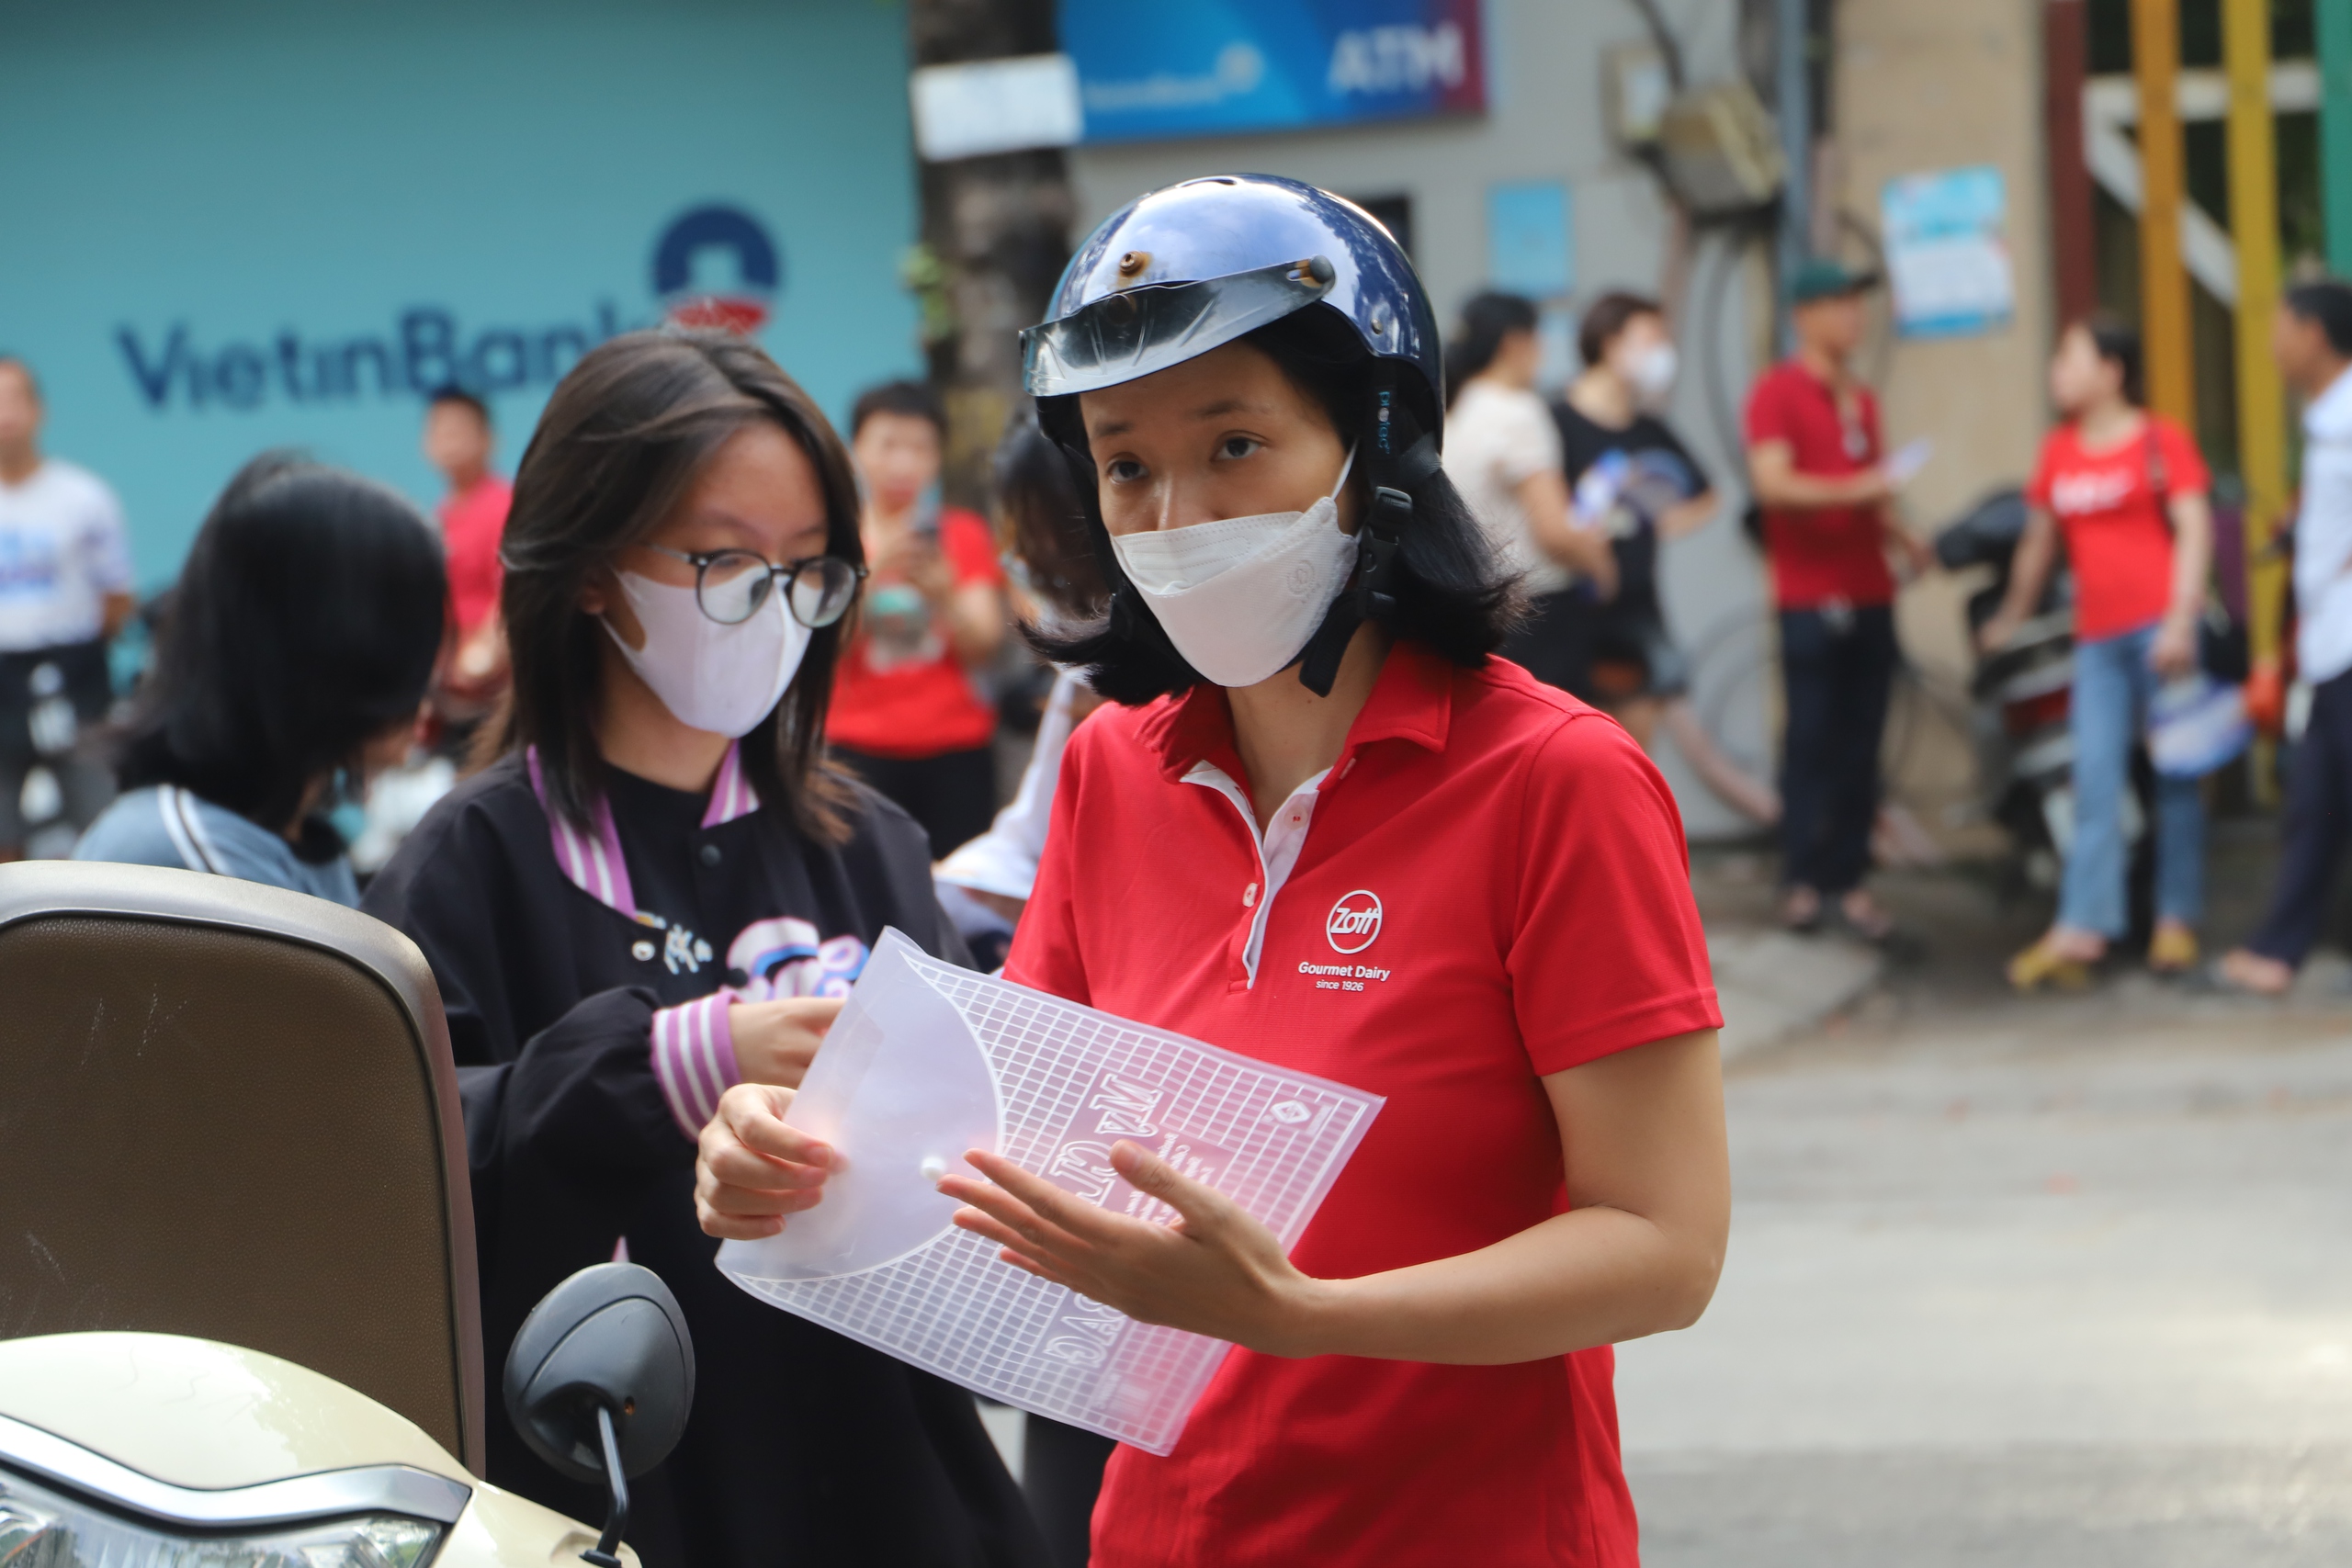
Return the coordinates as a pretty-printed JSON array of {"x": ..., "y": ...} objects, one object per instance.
[{"x": 40, "y": 1528}]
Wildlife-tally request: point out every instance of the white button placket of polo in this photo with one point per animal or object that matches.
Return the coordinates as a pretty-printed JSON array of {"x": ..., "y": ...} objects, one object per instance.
[{"x": 1277, "y": 850}]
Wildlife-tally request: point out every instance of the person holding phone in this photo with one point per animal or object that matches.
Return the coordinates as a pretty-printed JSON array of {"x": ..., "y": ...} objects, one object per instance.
[
  {"x": 909, "y": 715},
  {"x": 1318, "y": 823}
]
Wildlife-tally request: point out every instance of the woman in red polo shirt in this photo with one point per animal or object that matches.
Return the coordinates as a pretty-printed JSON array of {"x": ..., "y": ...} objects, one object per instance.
[
  {"x": 2126, "y": 489},
  {"x": 1308, "y": 766}
]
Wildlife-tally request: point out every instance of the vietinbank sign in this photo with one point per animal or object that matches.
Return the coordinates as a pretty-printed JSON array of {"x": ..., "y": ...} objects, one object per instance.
[
  {"x": 424, "y": 346},
  {"x": 1217, "y": 67}
]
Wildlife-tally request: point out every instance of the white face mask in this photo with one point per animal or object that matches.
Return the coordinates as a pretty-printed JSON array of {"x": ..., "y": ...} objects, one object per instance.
[
  {"x": 1650, "y": 371},
  {"x": 719, "y": 678},
  {"x": 1240, "y": 597}
]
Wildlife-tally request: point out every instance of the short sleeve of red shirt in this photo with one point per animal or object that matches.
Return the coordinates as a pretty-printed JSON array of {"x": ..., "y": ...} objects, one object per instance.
[
  {"x": 1046, "y": 952},
  {"x": 2045, "y": 463},
  {"x": 966, "y": 541},
  {"x": 2185, "y": 469},
  {"x": 1593, "y": 975}
]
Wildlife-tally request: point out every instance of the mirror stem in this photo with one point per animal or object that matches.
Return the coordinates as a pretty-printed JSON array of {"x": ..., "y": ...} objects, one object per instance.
[{"x": 607, "y": 1553}]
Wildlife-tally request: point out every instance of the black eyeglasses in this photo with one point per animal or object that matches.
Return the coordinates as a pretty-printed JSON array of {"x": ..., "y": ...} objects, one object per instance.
[{"x": 731, "y": 585}]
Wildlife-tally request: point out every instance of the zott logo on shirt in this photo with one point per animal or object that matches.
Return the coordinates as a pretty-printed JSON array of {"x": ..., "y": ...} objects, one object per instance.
[{"x": 1354, "y": 922}]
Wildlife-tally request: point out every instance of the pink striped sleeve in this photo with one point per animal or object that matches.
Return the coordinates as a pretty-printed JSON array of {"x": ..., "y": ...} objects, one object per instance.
[{"x": 694, "y": 1059}]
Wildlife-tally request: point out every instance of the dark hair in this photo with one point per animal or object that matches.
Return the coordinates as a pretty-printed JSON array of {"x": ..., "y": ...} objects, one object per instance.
[
  {"x": 619, "y": 447},
  {"x": 2329, "y": 303},
  {"x": 305, "y": 623},
  {"x": 1487, "y": 320},
  {"x": 1607, "y": 316},
  {"x": 910, "y": 400},
  {"x": 17, "y": 363},
  {"x": 2118, "y": 344},
  {"x": 1038, "y": 496},
  {"x": 1452, "y": 592},
  {"x": 453, "y": 393}
]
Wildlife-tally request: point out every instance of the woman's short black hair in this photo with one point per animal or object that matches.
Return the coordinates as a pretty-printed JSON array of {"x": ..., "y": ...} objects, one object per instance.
[
  {"x": 305, "y": 623},
  {"x": 2118, "y": 344},
  {"x": 1607, "y": 316},
  {"x": 1452, "y": 593},
  {"x": 909, "y": 400},
  {"x": 620, "y": 444},
  {"x": 1487, "y": 321},
  {"x": 1039, "y": 499}
]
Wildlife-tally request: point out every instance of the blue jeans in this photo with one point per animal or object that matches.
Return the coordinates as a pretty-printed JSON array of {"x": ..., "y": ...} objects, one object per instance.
[{"x": 2109, "y": 709}]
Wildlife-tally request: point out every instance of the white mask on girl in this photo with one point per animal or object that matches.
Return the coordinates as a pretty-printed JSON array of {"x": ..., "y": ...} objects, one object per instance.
[
  {"x": 710, "y": 676},
  {"x": 1240, "y": 597},
  {"x": 1650, "y": 372}
]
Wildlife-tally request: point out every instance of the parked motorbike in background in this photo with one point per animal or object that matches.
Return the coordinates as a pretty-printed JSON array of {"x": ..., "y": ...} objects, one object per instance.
[{"x": 2025, "y": 751}]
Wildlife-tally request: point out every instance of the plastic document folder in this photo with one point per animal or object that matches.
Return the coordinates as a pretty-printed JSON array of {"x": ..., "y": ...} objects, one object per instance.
[{"x": 928, "y": 1060}]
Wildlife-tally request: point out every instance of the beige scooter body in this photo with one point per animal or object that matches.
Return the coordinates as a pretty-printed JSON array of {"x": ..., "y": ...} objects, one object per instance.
[{"x": 178, "y": 1438}]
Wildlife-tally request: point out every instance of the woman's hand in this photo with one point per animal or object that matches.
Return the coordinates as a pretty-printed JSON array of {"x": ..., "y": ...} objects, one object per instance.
[
  {"x": 753, "y": 1170},
  {"x": 916, "y": 557},
  {"x": 2174, "y": 653},
  {"x": 1216, "y": 1271},
  {"x": 774, "y": 1041},
  {"x": 1995, "y": 634}
]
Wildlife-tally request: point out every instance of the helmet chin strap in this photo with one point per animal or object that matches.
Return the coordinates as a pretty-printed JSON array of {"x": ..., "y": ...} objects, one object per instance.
[{"x": 1395, "y": 468}]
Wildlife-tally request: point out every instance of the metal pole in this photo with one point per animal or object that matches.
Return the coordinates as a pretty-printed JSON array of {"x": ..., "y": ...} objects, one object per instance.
[
  {"x": 2262, "y": 398},
  {"x": 1793, "y": 90},
  {"x": 2335, "y": 19},
  {"x": 2164, "y": 284}
]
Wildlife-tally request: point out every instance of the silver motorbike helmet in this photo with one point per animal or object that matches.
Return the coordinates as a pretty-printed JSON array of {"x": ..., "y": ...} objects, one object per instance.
[{"x": 1192, "y": 268}]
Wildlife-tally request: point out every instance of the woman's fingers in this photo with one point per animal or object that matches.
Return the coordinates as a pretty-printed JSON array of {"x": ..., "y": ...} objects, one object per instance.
[
  {"x": 1205, "y": 1209},
  {"x": 1016, "y": 1223},
  {"x": 1070, "y": 1213}
]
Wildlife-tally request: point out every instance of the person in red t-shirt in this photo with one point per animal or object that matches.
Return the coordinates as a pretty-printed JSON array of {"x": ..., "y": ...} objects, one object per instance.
[
  {"x": 1318, "y": 823},
  {"x": 2126, "y": 489},
  {"x": 1814, "y": 465},
  {"x": 909, "y": 717},
  {"x": 458, "y": 440}
]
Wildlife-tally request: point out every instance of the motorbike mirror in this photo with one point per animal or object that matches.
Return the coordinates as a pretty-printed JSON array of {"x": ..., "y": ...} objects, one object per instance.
[{"x": 599, "y": 1380}]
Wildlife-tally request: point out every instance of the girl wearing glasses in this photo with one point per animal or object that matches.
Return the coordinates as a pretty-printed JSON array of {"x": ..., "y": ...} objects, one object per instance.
[{"x": 658, "y": 888}]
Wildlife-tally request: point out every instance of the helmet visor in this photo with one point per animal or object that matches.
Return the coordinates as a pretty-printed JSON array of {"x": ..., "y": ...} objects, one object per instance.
[{"x": 1138, "y": 330}]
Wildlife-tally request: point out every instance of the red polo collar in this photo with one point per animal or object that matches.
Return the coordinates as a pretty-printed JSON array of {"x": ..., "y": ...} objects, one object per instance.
[{"x": 1412, "y": 700}]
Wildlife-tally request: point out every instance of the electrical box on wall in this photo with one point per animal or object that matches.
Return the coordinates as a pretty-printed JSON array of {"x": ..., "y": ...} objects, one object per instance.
[{"x": 1720, "y": 151}]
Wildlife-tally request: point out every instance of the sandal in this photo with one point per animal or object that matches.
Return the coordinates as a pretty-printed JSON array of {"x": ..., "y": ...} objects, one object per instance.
[
  {"x": 1801, "y": 911},
  {"x": 2172, "y": 951},
  {"x": 2042, "y": 964}
]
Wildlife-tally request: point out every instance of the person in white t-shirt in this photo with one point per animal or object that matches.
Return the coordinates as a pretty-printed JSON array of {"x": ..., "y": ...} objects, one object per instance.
[
  {"x": 1502, "y": 452},
  {"x": 2313, "y": 343},
  {"x": 64, "y": 592}
]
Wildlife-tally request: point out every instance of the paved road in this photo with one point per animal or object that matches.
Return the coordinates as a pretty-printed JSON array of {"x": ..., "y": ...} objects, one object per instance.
[{"x": 2028, "y": 1283}]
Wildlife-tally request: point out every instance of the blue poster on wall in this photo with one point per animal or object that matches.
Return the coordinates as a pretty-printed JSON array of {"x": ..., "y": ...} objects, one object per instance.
[{"x": 1216, "y": 67}]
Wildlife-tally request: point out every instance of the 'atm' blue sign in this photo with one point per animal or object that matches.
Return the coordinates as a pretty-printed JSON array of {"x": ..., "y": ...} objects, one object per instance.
[{"x": 1216, "y": 67}]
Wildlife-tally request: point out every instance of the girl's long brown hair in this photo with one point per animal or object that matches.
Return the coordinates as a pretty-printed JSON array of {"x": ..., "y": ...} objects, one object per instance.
[{"x": 618, "y": 448}]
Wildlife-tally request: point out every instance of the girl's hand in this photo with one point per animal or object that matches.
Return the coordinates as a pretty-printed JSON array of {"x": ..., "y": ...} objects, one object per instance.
[
  {"x": 774, "y": 1041},
  {"x": 753, "y": 1170},
  {"x": 1216, "y": 1271},
  {"x": 2175, "y": 651}
]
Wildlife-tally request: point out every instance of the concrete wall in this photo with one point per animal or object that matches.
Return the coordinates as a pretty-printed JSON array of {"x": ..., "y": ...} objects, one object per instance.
[{"x": 1544, "y": 122}]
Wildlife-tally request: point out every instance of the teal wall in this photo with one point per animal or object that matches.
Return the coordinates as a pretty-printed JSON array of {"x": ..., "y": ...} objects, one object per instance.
[{"x": 272, "y": 187}]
